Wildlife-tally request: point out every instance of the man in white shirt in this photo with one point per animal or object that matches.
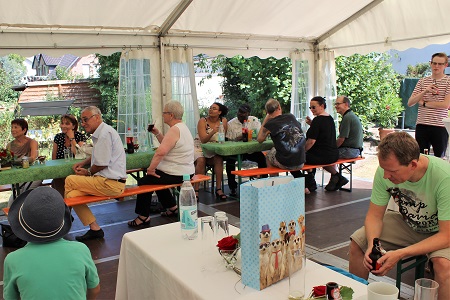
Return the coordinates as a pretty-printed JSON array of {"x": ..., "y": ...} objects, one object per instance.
[{"x": 234, "y": 133}]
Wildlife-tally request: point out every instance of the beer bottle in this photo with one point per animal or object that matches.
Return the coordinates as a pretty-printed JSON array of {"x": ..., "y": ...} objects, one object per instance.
[
  {"x": 245, "y": 131},
  {"x": 376, "y": 253}
]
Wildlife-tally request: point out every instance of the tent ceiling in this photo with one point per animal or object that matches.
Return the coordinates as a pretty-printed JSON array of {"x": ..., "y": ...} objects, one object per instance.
[{"x": 217, "y": 26}]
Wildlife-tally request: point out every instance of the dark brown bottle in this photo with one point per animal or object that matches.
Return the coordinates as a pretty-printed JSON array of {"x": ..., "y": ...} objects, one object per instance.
[{"x": 376, "y": 254}]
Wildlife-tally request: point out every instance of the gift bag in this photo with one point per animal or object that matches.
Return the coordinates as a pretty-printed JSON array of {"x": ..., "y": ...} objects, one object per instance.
[
  {"x": 272, "y": 228},
  {"x": 9, "y": 238}
]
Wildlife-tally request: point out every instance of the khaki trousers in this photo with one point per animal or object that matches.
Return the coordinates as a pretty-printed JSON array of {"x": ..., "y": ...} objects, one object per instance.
[{"x": 77, "y": 185}]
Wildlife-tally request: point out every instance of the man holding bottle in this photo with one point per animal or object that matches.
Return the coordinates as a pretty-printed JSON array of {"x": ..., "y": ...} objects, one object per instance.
[
  {"x": 234, "y": 133},
  {"x": 420, "y": 186}
]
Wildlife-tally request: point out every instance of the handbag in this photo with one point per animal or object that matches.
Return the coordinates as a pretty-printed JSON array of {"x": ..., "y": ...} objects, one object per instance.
[
  {"x": 9, "y": 238},
  {"x": 272, "y": 228}
]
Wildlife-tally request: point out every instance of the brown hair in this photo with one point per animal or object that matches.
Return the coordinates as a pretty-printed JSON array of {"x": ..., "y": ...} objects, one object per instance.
[
  {"x": 22, "y": 123},
  {"x": 71, "y": 119},
  {"x": 440, "y": 54},
  {"x": 402, "y": 145}
]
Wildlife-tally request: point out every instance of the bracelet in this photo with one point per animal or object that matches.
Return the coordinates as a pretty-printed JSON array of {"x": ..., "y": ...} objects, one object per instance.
[
  {"x": 71, "y": 139},
  {"x": 89, "y": 172}
]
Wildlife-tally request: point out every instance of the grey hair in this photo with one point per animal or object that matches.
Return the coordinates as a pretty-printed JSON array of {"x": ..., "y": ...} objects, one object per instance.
[
  {"x": 175, "y": 108},
  {"x": 94, "y": 110},
  {"x": 272, "y": 105}
]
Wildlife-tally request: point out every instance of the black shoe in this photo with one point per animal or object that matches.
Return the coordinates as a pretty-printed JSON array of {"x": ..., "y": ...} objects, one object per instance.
[
  {"x": 342, "y": 181},
  {"x": 331, "y": 186},
  {"x": 91, "y": 235},
  {"x": 233, "y": 193}
]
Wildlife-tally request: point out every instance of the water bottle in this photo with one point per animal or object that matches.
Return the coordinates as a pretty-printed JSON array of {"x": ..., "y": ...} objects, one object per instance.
[
  {"x": 188, "y": 210},
  {"x": 130, "y": 143},
  {"x": 221, "y": 136}
]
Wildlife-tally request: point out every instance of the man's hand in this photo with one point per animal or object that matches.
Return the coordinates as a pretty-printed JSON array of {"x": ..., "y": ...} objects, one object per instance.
[
  {"x": 387, "y": 262},
  {"x": 77, "y": 166},
  {"x": 81, "y": 171},
  {"x": 308, "y": 120},
  {"x": 152, "y": 172}
]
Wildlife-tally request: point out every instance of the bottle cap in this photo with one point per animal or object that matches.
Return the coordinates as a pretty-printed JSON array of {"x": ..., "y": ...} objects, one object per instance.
[{"x": 186, "y": 177}]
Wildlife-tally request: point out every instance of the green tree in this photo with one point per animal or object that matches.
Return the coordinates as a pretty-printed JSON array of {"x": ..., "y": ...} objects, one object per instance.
[
  {"x": 14, "y": 67},
  {"x": 255, "y": 80},
  {"x": 368, "y": 80},
  {"x": 108, "y": 84},
  {"x": 418, "y": 71},
  {"x": 64, "y": 73}
]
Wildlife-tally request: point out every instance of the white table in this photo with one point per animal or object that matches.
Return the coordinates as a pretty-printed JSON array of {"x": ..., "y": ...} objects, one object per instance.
[{"x": 156, "y": 263}]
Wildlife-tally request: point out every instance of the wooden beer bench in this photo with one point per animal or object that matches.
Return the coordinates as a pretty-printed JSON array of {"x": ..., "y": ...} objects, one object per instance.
[
  {"x": 131, "y": 191},
  {"x": 343, "y": 163}
]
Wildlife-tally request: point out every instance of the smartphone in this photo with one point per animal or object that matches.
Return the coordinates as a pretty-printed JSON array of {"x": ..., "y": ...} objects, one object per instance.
[{"x": 150, "y": 127}]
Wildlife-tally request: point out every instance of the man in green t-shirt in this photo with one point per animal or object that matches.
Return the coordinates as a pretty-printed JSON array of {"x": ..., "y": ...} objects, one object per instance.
[{"x": 420, "y": 186}]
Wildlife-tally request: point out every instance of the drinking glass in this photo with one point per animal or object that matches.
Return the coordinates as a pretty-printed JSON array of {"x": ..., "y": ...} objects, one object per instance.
[
  {"x": 67, "y": 154},
  {"x": 207, "y": 228},
  {"x": 425, "y": 288},
  {"x": 221, "y": 227},
  {"x": 297, "y": 267}
]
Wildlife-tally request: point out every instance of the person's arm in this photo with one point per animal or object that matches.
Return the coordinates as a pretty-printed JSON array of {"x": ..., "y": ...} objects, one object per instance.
[
  {"x": 340, "y": 141},
  {"x": 34, "y": 150},
  {"x": 55, "y": 150},
  {"x": 417, "y": 96},
  {"x": 309, "y": 143},
  {"x": 80, "y": 165},
  {"x": 201, "y": 129},
  {"x": 373, "y": 225},
  {"x": 439, "y": 104},
  {"x": 93, "y": 293},
  {"x": 263, "y": 132},
  {"x": 167, "y": 144}
]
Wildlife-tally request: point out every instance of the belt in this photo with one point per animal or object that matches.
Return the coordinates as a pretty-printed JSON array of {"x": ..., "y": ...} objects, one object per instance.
[{"x": 121, "y": 180}]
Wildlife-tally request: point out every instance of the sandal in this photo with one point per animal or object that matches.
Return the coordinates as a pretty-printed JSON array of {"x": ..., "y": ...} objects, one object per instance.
[
  {"x": 170, "y": 212},
  {"x": 220, "y": 196},
  {"x": 144, "y": 222}
]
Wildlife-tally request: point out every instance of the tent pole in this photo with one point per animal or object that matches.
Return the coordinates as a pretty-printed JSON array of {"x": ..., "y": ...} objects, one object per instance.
[
  {"x": 162, "y": 56},
  {"x": 316, "y": 68}
]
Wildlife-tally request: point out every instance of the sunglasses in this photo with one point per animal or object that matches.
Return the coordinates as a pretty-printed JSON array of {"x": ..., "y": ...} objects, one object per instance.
[{"x": 312, "y": 107}]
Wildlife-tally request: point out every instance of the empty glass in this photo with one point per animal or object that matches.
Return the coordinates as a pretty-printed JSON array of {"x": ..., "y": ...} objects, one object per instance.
[
  {"x": 207, "y": 231},
  {"x": 67, "y": 154},
  {"x": 425, "y": 289},
  {"x": 221, "y": 227},
  {"x": 297, "y": 267}
]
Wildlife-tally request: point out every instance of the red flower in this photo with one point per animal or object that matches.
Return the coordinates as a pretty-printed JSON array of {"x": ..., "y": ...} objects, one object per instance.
[
  {"x": 319, "y": 290},
  {"x": 228, "y": 243},
  {"x": 388, "y": 107}
]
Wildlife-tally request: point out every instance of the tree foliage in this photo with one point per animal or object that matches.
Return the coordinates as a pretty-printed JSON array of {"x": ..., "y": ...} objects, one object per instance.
[
  {"x": 255, "y": 80},
  {"x": 14, "y": 67},
  {"x": 419, "y": 70},
  {"x": 108, "y": 84},
  {"x": 369, "y": 80},
  {"x": 64, "y": 73}
]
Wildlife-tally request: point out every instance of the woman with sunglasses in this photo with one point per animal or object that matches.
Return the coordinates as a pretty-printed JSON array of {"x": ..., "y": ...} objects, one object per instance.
[
  {"x": 208, "y": 128},
  {"x": 320, "y": 145}
]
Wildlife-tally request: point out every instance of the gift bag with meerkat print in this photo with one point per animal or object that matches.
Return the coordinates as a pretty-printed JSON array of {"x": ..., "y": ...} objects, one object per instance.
[{"x": 272, "y": 229}]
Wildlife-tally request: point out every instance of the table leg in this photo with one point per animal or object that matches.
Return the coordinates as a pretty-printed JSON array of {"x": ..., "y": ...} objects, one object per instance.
[{"x": 239, "y": 160}]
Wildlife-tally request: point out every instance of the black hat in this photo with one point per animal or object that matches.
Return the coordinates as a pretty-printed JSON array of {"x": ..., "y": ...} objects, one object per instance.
[
  {"x": 40, "y": 215},
  {"x": 245, "y": 108}
]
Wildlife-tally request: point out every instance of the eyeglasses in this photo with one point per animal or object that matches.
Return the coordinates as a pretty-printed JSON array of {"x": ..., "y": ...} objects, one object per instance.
[
  {"x": 437, "y": 64},
  {"x": 338, "y": 103},
  {"x": 213, "y": 108},
  {"x": 166, "y": 112},
  {"x": 86, "y": 119},
  {"x": 312, "y": 107}
]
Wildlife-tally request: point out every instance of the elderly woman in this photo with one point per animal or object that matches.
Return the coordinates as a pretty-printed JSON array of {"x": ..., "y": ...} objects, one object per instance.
[
  {"x": 173, "y": 158},
  {"x": 68, "y": 138},
  {"x": 23, "y": 146},
  {"x": 320, "y": 145},
  {"x": 208, "y": 128}
]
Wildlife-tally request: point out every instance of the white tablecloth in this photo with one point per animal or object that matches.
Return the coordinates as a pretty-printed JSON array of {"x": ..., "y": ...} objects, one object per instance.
[{"x": 156, "y": 263}]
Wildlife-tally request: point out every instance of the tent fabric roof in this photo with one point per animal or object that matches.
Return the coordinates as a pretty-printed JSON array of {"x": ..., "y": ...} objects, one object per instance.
[{"x": 216, "y": 26}]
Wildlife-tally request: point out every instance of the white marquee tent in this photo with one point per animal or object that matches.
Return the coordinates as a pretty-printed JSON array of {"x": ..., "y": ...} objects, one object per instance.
[{"x": 304, "y": 30}]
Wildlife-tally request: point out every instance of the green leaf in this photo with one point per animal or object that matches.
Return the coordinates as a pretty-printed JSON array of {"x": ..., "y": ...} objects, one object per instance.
[{"x": 346, "y": 293}]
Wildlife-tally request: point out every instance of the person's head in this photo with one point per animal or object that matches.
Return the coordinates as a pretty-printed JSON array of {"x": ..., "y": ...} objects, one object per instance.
[
  {"x": 317, "y": 105},
  {"x": 243, "y": 112},
  {"x": 172, "y": 110},
  {"x": 342, "y": 104},
  {"x": 40, "y": 215},
  {"x": 272, "y": 106},
  {"x": 218, "y": 109},
  {"x": 398, "y": 155},
  {"x": 19, "y": 127},
  {"x": 91, "y": 118},
  {"x": 68, "y": 122},
  {"x": 438, "y": 63}
]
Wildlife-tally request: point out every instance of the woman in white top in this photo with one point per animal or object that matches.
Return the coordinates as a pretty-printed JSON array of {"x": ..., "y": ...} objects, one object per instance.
[{"x": 173, "y": 158}]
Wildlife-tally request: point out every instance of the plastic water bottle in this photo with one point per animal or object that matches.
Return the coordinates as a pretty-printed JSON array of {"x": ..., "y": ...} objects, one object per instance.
[
  {"x": 221, "y": 135},
  {"x": 130, "y": 142},
  {"x": 188, "y": 210}
]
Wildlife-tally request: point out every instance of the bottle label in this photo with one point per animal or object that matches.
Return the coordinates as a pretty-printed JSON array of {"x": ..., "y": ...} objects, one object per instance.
[{"x": 188, "y": 217}]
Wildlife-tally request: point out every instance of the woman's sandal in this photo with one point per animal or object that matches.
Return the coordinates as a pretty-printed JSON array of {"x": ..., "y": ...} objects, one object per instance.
[
  {"x": 220, "y": 196},
  {"x": 196, "y": 194},
  {"x": 170, "y": 212},
  {"x": 144, "y": 222}
]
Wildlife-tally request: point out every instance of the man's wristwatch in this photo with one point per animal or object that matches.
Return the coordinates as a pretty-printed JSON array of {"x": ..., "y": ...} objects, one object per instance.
[
  {"x": 89, "y": 172},
  {"x": 71, "y": 139},
  {"x": 424, "y": 104}
]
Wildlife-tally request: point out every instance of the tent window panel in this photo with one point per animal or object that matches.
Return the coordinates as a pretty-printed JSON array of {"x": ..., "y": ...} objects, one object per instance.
[
  {"x": 301, "y": 104},
  {"x": 182, "y": 91},
  {"x": 134, "y": 99}
]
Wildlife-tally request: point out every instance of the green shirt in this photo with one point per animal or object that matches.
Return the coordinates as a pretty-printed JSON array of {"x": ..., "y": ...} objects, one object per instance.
[
  {"x": 55, "y": 270},
  {"x": 421, "y": 203},
  {"x": 350, "y": 129}
]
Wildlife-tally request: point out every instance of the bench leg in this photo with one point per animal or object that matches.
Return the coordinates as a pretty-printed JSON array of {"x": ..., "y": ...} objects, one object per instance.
[{"x": 349, "y": 168}]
